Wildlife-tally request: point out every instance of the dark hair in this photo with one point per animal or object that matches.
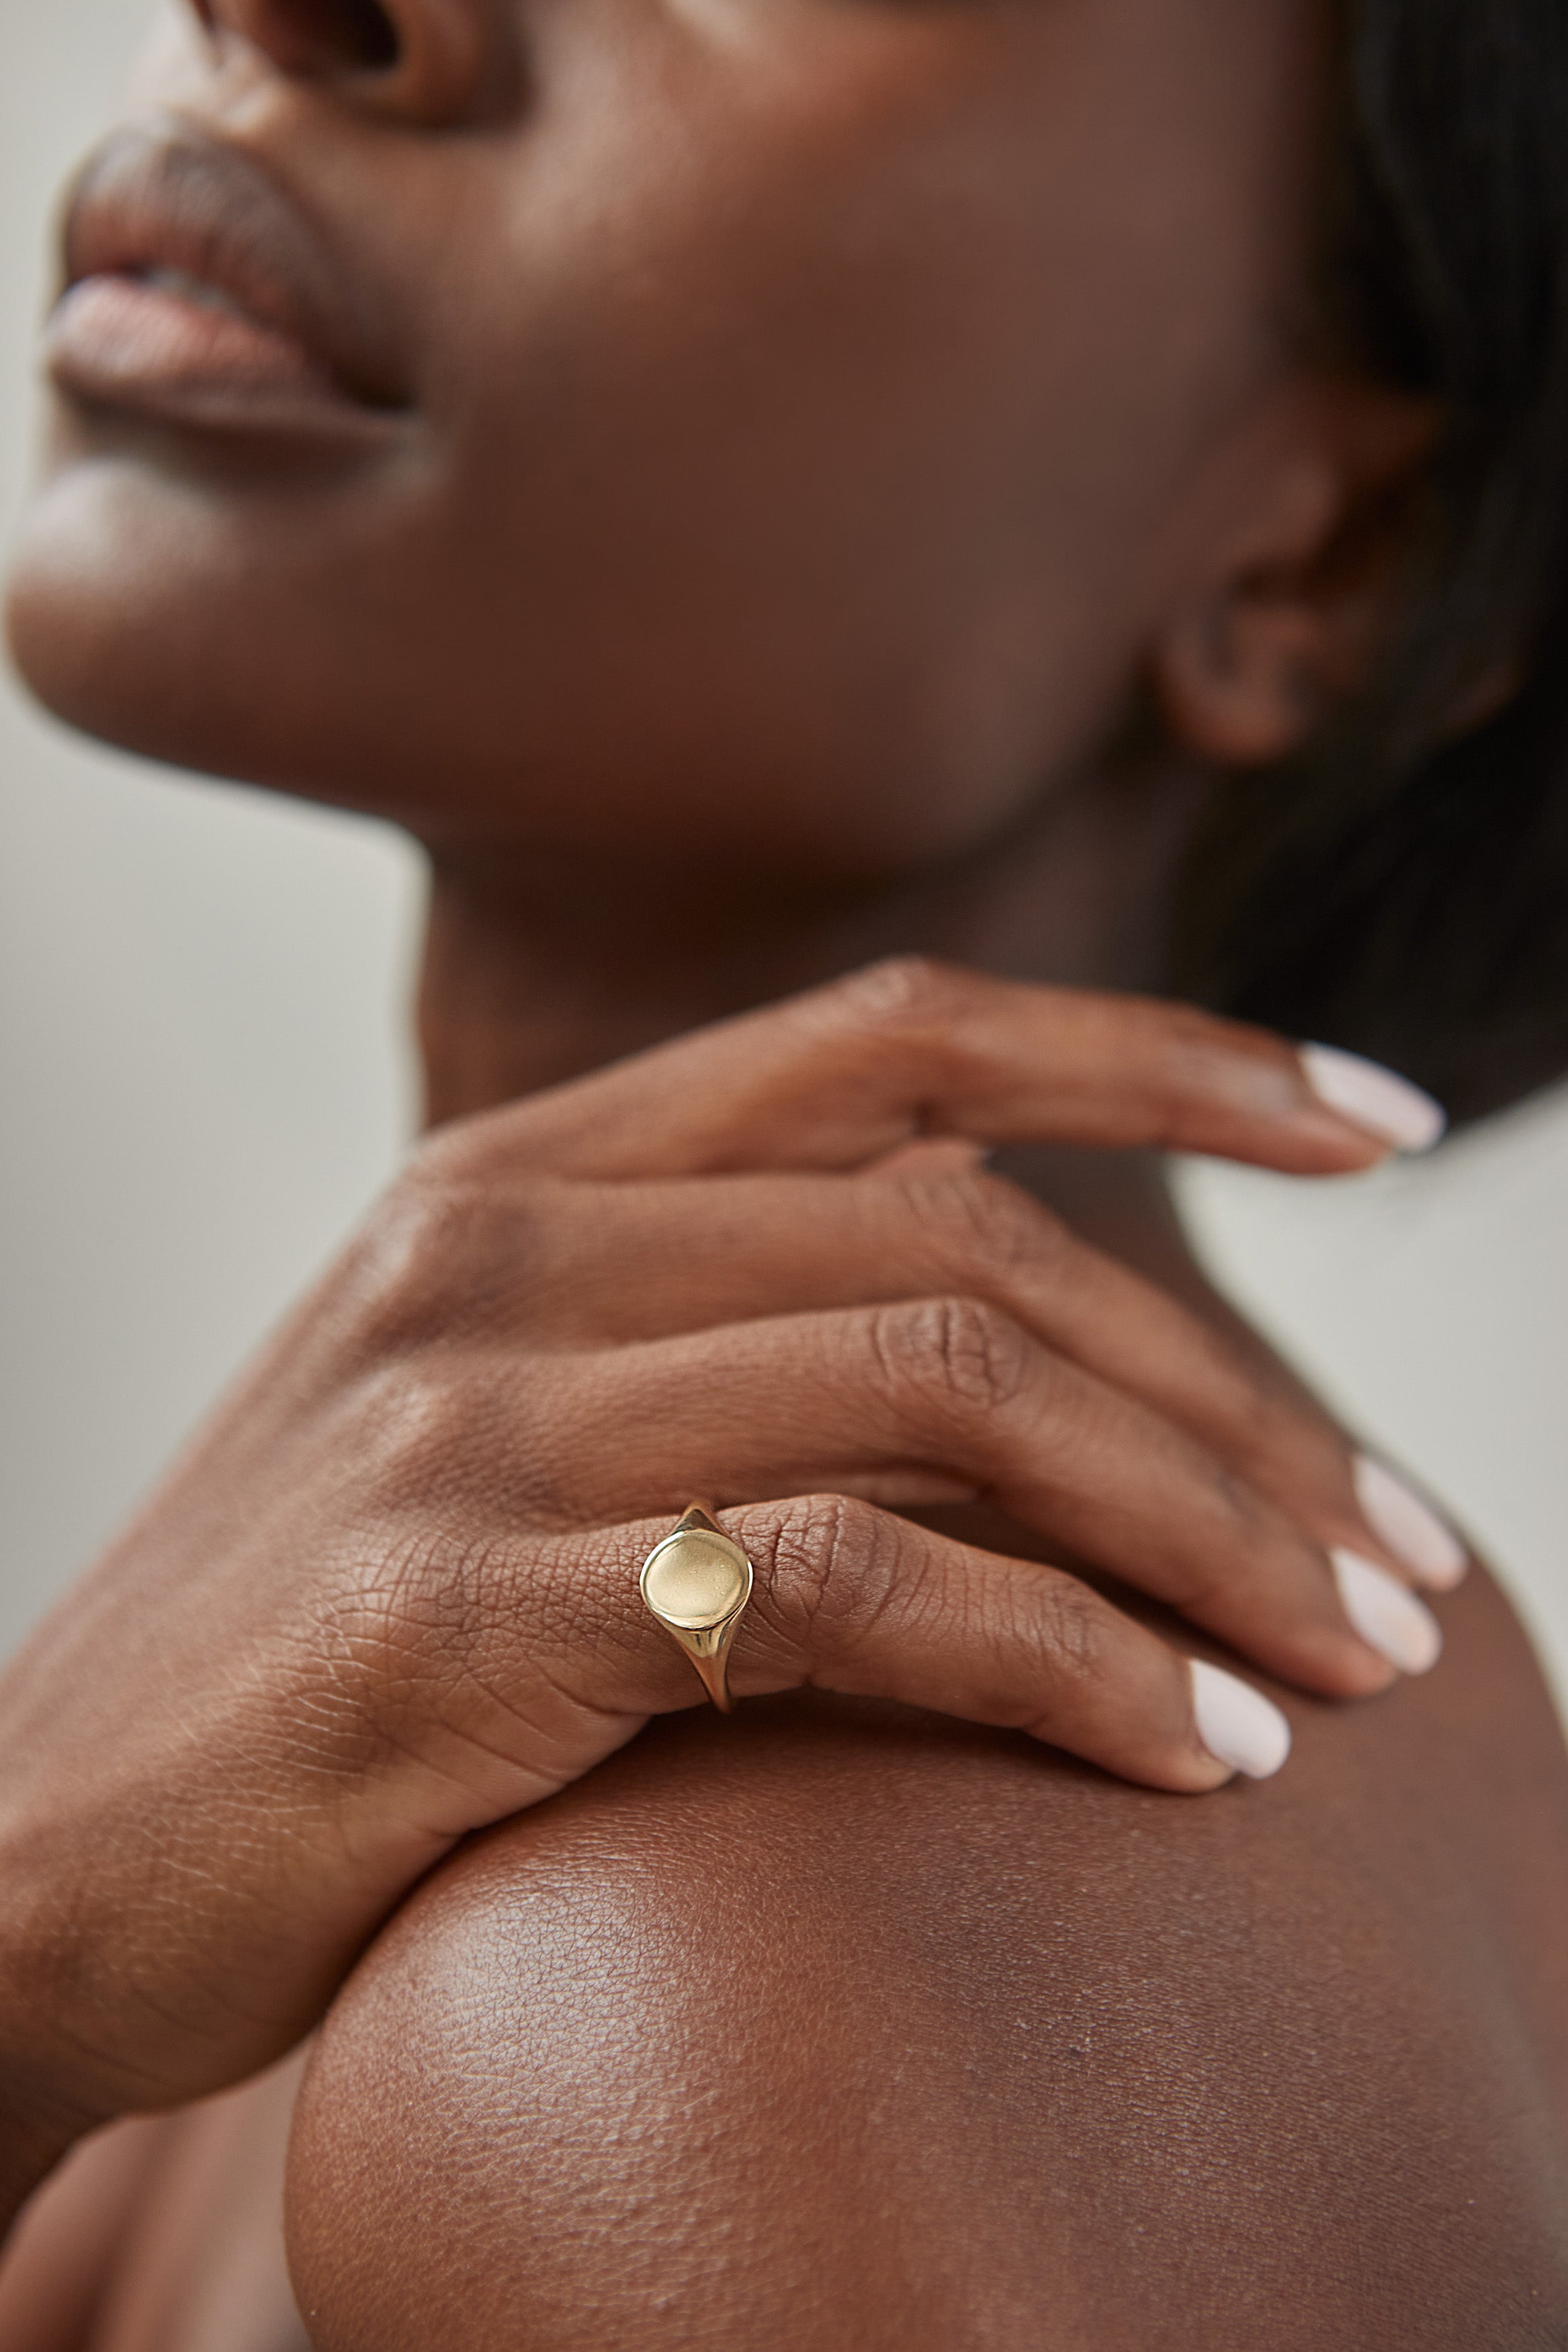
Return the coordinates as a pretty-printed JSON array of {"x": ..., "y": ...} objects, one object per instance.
[{"x": 1402, "y": 889}]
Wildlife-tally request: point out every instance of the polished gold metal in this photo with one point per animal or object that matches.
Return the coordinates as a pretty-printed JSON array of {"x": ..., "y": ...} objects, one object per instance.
[{"x": 696, "y": 1582}]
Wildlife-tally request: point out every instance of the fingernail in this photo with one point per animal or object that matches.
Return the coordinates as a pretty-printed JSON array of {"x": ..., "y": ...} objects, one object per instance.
[
  {"x": 1387, "y": 1106},
  {"x": 1236, "y": 1724},
  {"x": 1410, "y": 1527},
  {"x": 1392, "y": 1620}
]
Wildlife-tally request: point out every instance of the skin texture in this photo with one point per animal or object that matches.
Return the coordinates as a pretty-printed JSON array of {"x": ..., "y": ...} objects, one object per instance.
[
  {"x": 394, "y": 1584},
  {"x": 698, "y": 2055},
  {"x": 753, "y": 490}
]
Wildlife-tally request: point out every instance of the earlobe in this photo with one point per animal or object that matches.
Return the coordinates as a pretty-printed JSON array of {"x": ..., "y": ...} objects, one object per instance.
[
  {"x": 1238, "y": 681},
  {"x": 1298, "y": 590}
]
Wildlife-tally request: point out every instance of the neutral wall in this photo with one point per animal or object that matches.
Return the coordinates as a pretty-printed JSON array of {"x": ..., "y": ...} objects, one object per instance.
[
  {"x": 202, "y": 1074},
  {"x": 203, "y": 1081}
]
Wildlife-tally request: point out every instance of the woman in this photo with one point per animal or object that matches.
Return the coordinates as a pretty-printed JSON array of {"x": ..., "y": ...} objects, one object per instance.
[{"x": 1072, "y": 489}]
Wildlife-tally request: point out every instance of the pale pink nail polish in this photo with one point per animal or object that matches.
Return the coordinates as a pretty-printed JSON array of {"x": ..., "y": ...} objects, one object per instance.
[
  {"x": 1409, "y": 1527},
  {"x": 1388, "y": 1106},
  {"x": 1388, "y": 1617},
  {"x": 1236, "y": 1723}
]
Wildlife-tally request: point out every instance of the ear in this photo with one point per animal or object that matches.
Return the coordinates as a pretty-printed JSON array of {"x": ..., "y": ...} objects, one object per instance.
[{"x": 1294, "y": 542}]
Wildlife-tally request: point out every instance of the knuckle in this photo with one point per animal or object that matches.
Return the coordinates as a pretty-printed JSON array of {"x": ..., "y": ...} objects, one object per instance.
[
  {"x": 397, "y": 1634},
  {"x": 1268, "y": 1424},
  {"x": 963, "y": 1355},
  {"x": 443, "y": 1256},
  {"x": 825, "y": 1560},
  {"x": 1238, "y": 1542},
  {"x": 906, "y": 993},
  {"x": 436, "y": 1434},
  {"x": 907, "y": 1022},
  {"x": 413, "y": 1265},
  {"x": 1073, "y": 1631},
  {"x": 481, "y": 1148},
  {"x": 986, "y": 1226},
  {"x": 1239, "y": 1506},
  {"x": 1272, "y": 1426},
  {"x": 418, "y": 1428}
]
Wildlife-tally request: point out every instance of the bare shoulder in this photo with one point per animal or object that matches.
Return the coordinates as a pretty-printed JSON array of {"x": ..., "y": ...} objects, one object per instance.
[{"x": 849, "y": 2028}]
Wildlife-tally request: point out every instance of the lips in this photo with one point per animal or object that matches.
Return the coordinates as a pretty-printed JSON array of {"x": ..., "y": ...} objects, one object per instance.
[{"x": 196, "y": 290}]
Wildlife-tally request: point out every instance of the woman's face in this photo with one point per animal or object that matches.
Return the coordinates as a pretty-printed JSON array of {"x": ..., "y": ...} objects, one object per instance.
[{"x": 750, "y": 427}]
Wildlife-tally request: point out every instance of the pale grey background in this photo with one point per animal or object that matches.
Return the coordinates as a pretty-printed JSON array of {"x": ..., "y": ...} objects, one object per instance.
[{"x": 203, "y": 1080}]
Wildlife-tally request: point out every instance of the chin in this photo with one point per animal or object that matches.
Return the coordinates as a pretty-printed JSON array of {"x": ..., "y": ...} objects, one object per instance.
[
  {"x": 318, "y": 640},
  {"x": 138, "y": 613},
  {"x": 78, "y": 629}
]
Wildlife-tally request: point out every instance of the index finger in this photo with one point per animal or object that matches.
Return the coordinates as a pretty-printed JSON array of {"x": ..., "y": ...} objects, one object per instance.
[{"x": 909, "y": 1050}]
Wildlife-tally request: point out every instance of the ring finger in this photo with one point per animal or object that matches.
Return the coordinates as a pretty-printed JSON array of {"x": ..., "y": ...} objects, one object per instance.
[
  {"x": 956, "y": 1387},
  {"x": 616, "y": 1264}
]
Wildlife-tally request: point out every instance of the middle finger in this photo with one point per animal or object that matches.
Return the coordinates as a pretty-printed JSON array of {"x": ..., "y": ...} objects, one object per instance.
[
  {"x": 613, "y": 1264},
  {"x": 858, "y": 1401}
]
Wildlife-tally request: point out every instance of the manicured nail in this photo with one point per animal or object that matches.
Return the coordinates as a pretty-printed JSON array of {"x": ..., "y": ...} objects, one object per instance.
[
  {"x": 1392, "y": 1620},
  {"x": 1237, "y": 1724},
  {"x": 1387, "y": 1107},
  {"x": 1410, "y": 1527}
]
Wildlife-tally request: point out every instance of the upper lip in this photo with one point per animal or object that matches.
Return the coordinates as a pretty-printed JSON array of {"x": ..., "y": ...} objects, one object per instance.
[{"x": 170, "y": 198}]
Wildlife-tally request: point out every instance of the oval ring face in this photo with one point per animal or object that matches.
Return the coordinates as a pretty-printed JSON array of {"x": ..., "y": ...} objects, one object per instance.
[{"x": 697, "y": 1579}]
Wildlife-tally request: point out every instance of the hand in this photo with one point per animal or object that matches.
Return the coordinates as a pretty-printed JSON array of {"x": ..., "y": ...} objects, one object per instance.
[{"x": 391, "y": 1595}]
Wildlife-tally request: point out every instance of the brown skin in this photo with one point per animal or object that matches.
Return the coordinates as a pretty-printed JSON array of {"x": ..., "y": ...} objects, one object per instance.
[
  {"x": 739, "y": 475},
  {"x": 867, "y": 2033},
  {"x": 728, "y": 1268},
  {"x": 769, "y": 486}
]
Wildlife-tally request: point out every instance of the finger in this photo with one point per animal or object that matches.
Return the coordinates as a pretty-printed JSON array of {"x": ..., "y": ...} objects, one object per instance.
[
  {"x": 910, "y": 1050},
  {"x": 849, "y": 1598},
  {"x": 867, "y": 1400},
  {"x": 612, "y": 1265}
]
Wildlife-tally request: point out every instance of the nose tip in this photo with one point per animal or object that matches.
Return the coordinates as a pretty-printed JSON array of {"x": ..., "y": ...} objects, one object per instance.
[{"x": 419, "y": 59}]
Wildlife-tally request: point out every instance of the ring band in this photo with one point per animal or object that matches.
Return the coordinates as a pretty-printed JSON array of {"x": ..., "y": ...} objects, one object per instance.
[{"x": 696, "y": 1582}]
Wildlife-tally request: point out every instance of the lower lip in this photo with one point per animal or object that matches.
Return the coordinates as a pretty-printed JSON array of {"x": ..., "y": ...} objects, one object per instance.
[{"x": 120, "y": 342}]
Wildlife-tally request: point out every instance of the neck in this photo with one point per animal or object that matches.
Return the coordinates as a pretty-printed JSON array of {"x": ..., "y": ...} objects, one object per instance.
[{"x": 539, "y": 967}]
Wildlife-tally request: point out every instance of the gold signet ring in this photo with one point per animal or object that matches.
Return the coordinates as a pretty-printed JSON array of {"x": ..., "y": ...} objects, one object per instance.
[{"x": 697, "y": 1582}]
